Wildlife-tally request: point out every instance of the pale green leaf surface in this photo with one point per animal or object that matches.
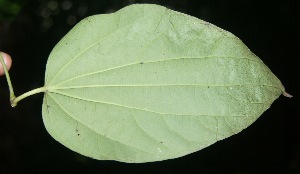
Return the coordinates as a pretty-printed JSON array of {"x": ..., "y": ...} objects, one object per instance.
[{"x": 147, "y": 84}]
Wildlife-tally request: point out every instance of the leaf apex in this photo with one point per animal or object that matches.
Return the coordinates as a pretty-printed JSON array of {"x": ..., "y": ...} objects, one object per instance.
[{"x": 284, "y": 93}]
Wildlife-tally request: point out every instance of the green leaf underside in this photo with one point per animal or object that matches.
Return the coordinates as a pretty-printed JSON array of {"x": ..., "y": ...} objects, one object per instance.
[{"x": 147, "y": 84}]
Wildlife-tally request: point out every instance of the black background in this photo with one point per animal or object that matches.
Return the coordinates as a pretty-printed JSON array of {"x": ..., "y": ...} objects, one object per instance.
[{"x": 271, "y": 145}]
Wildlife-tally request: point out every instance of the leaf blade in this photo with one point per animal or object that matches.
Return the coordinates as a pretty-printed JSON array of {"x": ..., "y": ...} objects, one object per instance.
[{"x": 154, "y": 89}]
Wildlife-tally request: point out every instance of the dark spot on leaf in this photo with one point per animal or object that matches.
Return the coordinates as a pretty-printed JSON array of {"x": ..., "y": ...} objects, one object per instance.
[
  {"x": 48, "y": 108},
  {"x": 78, "y": 134},
  {"x": 142, "y": 63}
]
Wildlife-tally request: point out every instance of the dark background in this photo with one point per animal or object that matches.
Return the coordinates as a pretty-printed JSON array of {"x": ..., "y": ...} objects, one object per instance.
[{"x": 30, "y": 29}]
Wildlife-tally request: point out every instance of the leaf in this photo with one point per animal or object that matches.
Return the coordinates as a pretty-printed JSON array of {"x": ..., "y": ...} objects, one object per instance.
[{"x": 147, "y": 84}]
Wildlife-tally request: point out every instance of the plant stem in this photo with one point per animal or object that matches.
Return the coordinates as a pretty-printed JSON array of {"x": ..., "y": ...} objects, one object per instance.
[
  {"x": 11, "y": 90},
  {"x": 13, "y": 99}
]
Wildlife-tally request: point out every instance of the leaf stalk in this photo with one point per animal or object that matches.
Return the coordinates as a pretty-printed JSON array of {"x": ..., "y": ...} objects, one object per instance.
[
  {"x": 11, "y": 90},
  {"x": 13, "y": 99}
]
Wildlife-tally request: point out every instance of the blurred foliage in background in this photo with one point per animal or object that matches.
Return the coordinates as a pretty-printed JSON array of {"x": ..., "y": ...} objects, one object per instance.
[{"x": 9, "y": 9}]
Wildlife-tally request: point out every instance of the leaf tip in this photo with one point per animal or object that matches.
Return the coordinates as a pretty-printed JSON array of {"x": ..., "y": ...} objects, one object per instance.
[{"x": 286, "y": 94}]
